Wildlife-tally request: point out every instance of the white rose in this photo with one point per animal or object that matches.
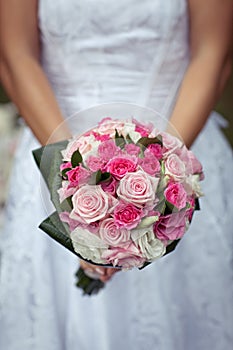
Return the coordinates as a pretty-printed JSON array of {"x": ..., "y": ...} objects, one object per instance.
[
  {"x": 88, "y": 245},
  {"x": 151, "y": 247},
  {"x": 192, "y": 185}
]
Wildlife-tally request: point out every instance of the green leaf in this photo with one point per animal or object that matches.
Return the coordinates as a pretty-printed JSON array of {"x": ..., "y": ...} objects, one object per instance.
[
  {"x": 54, "y": 227},
  {"x": 128, "y": 139},
  {"x": 76, "y": 159},
  {"x": 197, "y": 204},
  {"x": 63, "y": 173},
  {"x": 171, "y": 246},
  {"x": 104, "y": 177},
  {"x": 67, "y": 205},
  {"x": 146, "y": 141},
  {"x": 119, "y": 140}
]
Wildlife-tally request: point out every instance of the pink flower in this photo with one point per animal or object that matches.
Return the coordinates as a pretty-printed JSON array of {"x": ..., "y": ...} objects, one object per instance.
[
  {"x": 176, "y": 195},
  {"x": 65, "y": 217},
  {"x": 77, "y": 176},
  {"x": 120, "y": 166},
  {"x": 101, "y": 138},
  {"x": 143, "y": 129},
  {"x": 90, "y": 204},
  {"x": 138, "y": 188},
  {"x": 109, "y": 186},
  {"x": 132, "y": 149},
  {"x": 171, "y": 227},
  {"x": 95, "y": 163},
  {"x": 108, "y": 126},
  {"x": 65, "y": 165},
  {"x": 175, "y": 167},
  {"x": 108, "y": 149},
  {"x": 126, "y": 257},
  {"x": 83, "y": 143},
  {"x": 155, "y": 149},
  {"x": 150, "y": 165},
  {"x": 127, "y": 215},
  {"x": 66, "y": 191},
  {"x": 171, "y": 143},
  {"x": 112, "y": 234}
]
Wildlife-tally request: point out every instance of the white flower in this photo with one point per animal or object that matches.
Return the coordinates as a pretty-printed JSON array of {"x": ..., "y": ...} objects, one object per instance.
[
  {"x": 88, "y": 245},
  {"x": 151, "y": 247},
  {"x": 192, "y": 185}
]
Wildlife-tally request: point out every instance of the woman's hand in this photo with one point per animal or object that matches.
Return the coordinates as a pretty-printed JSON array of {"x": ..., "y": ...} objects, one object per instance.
[{"x": 94, "y": 271}]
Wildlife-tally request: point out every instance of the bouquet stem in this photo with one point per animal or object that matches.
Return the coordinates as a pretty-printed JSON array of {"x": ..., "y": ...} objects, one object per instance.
[{"x": 88, "y": 285}]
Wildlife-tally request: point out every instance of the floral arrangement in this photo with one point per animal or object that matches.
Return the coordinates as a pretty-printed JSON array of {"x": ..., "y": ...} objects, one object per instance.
[{"x": 126, "y": 193}]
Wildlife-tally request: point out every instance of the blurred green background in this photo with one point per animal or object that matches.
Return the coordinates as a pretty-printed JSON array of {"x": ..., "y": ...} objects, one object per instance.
[{"x": 224, "y": 107}]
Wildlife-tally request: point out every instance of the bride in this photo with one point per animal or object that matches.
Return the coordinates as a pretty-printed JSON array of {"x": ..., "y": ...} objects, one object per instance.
[{"x": 59, "y": 57}]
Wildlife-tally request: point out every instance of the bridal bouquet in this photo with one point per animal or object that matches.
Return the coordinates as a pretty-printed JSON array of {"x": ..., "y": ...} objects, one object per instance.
[{"x": 124, "y": 194}]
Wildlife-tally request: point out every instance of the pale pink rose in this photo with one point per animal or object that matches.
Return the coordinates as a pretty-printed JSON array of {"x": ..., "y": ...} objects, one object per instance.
[
  {"x": 78, "y": 176},
  {"x": 120, "y": 166},
  {"x": 109, "y": 186},
  {"x": 95, "y": 163},
  {"x": 65, "y": 217},
  {"x": 66, "y": 191},
  {"x": 195, "y": 165},
  {"x": 171, "y": 143},
  {"x": 83, "y": 143},
  {"x": 107, "y": 150},
  {"x": 108, "y": 126},
  {"x": 143, "y": 129},
  {"x": 132, "y": 149},
  {"x": 127, "y": 215},
  {"x": 138, "y": 188},
  {"x": 175, "y": 167},
  {"x": 112, "y": 234},
  {"x": 150, "y": 165},
  {"x": 126, "y": 257},
  {"x": 90, "y": 204},
  {"x": 171, "y": 227},
  {"x": 155, "y": 149},
  {"x": 176, "y": 195}
]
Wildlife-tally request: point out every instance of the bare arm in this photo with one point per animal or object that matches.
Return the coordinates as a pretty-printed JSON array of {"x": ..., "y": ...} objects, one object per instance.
[
  {"x": 210, "y": 66},
  {"x": 21, "y": 73}
]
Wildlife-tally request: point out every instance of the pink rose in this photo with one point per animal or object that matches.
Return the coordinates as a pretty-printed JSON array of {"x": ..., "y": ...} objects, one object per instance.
[
  {"x": 126, "y": 257},
  {"x": 143, "y": 129},
  {"x": 112, "y": 234},
  {"x": 83, "y": 143},
  {"x": 171, "y": 227},
  {"x": 132, "y": 149},
  {"x": 176, "y": 195},
  {"x": 101, "y": 138},
  {"x": 65, "y": 165},
  {"x": 95, "y": 163},
  {"x": 65, "y": 217},
  {"x": 66, "y": 191},
  {"x": 90, "y": 204},
  {"x": 171, "y": 143},
  {"x": 155, "y": 149},
  {"x": 78, "y": 176},
  {"x": 109, "y": 126},
  {"x": 109, "y": 186},
  {"x": 120, "y": 166},
  {"x": 138, "y": 188},
  {"x": 175, "y": 167},
  {"x": 108, "y": 149},
  {"x": 127, "y": 215},
  {"x": 150, "y": 165}
]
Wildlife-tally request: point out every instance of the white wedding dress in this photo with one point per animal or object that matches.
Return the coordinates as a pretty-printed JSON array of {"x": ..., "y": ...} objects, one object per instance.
[{"x": 131, "y": 51}]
